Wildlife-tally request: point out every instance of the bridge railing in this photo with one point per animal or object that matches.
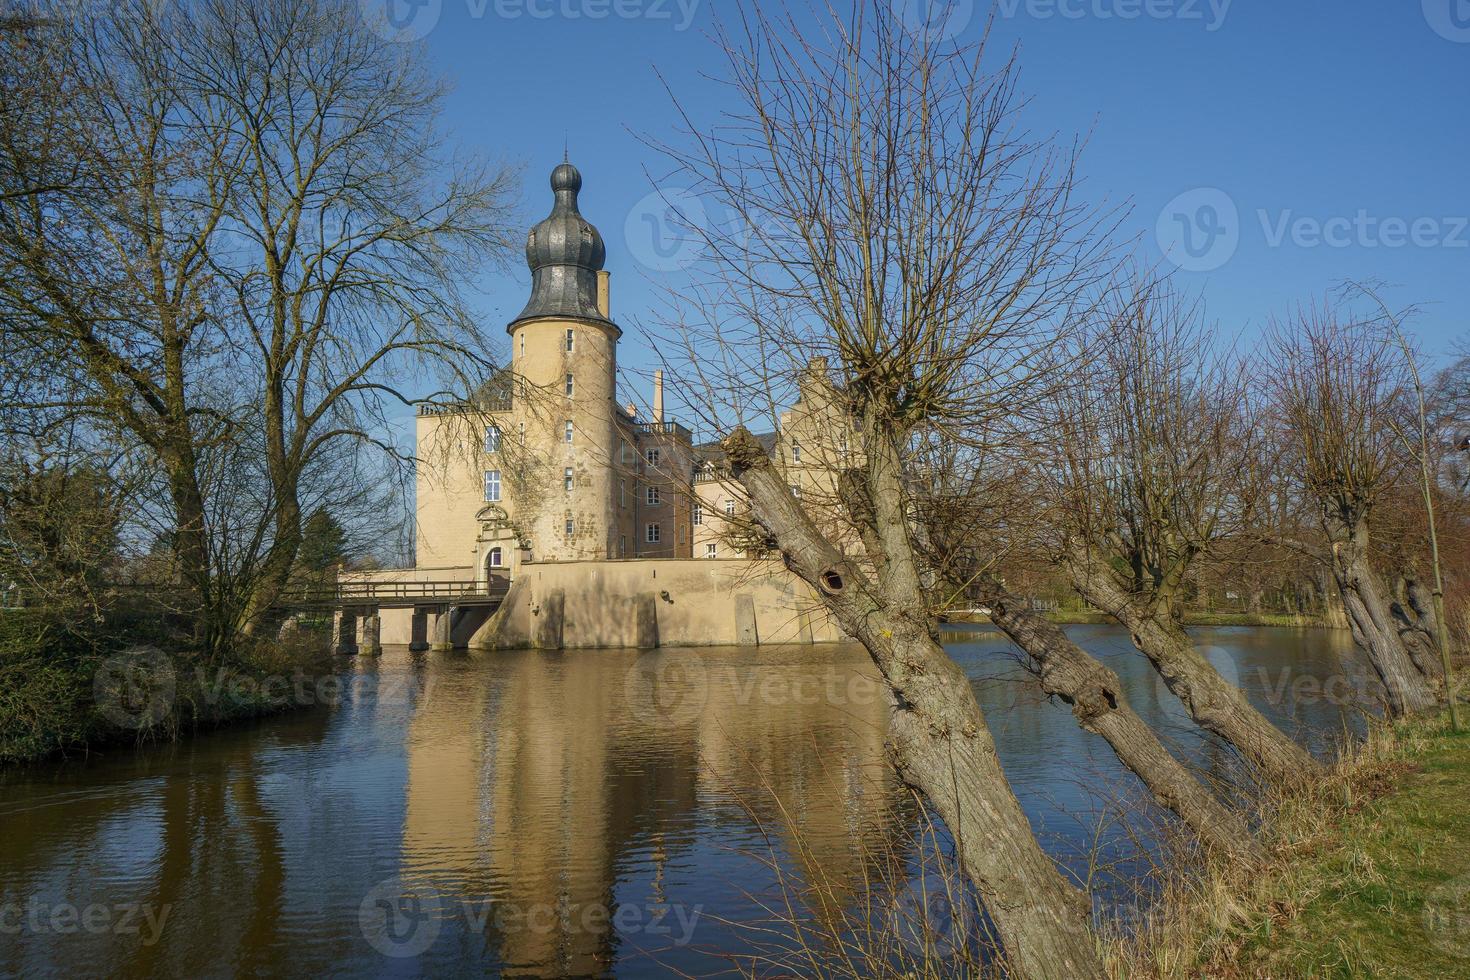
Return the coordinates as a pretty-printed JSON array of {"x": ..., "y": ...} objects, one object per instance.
[{"x": 378, "y": 593}]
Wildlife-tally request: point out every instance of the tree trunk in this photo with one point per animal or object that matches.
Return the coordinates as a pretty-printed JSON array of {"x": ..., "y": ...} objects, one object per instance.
[
  {"x": 1373, "y": 627},
  {"x": 1214, "y": 703},
  {"x": 1096, "y": 697},
  {"x": 939, "y": 739},
  {"x": 1418, "y": 629}
]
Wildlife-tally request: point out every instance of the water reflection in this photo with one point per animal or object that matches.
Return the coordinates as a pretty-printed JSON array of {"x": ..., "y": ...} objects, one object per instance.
[{"x": 587, "y": 813}]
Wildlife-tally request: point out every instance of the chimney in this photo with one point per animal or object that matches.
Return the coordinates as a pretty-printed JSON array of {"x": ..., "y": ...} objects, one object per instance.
[
  {"x": 604, "y": 297},
  {"x": 658, "y": 397}
]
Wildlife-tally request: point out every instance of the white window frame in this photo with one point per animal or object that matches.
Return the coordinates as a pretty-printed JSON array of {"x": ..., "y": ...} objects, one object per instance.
[
  {"x": 571, "y": 384},
  {"x": 652, "y": 533},
  {"x": 497, "y": 557},
  {"x": 795, "y": 451},
  {"x": 568, "y": 479},
  {"x": 569, "y": 429},
  {"x": 571, "y": 526},
  {"x": 493, "y": 437},
  {"x": 652, "y": 456},
  {"x": 711, "y": 550},
  {"x": 571, "y": 339},
  {"x": 653, "y": 497},
  {"x": 492, "y": 486},
  {"x": 697, "y": 517},
  {"x": 729, "y": 506}
]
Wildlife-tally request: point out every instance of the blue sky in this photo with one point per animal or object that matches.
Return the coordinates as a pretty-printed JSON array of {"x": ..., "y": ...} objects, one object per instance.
[{"x": 1273, "y": 147}]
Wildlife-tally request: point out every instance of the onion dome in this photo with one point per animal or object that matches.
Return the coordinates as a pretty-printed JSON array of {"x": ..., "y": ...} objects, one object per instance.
[{"x": 565, "y": 254}]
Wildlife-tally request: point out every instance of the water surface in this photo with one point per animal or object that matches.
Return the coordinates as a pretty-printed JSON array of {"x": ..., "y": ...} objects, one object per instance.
[{"x": 581, "y": 813}]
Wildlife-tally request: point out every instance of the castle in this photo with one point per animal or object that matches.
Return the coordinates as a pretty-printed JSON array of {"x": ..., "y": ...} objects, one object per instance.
[{"x": 544, "y": 469}]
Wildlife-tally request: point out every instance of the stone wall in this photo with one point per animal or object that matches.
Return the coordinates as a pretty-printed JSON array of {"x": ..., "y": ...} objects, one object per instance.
[{"x": 674, "y": 602}]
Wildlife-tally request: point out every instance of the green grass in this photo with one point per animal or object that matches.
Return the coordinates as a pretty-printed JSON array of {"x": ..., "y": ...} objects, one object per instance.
[{"x": 1391, "y": 896}]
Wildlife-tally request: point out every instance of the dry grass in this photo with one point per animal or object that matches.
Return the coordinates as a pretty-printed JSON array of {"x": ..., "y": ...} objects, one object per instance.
[{"x": 1354, "y": 857}]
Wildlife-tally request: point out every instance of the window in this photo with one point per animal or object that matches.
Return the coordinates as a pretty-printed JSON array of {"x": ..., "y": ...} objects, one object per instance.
[
  {"x": 622, "y": 493},
  {"x": 698, "y": 515},
  {"x": 681, "y": 534},
  {"x": 497, "y": 558},
  {"x": 795, "y": 451},
  {"x": 729, "y": 507},
  {"x": 523, "y": 345},
  {"x": 492, "y": 486},
  {"x": 570, "y": 384},
  {"x": 652, "y": 456},
  {"x": 566, "y": 476},
  {"x": 653, "y": 496},
  {"x": 571, "y": 527},
  {"x": 523, "y": 433},
  {"x": 622, "y": 546},
  {"x": 571, "y": 340},
  {"x": 492, "y": 439},
  {"x": 569, "y": 432},
  {"x": 796, "y": 491},
  {"x": 652, "y": 532},
  {"x": 711, "y": 551}
]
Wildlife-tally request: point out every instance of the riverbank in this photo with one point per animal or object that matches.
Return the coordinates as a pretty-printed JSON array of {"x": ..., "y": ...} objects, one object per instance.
[
  {"x": 1083, "y": 617},
  {"x": 69, "y": 686},
  {"x": 1370, "y": 876}
]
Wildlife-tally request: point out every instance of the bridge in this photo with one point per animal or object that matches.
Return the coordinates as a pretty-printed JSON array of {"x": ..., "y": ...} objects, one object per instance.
[{"x": 438, "y": 608}]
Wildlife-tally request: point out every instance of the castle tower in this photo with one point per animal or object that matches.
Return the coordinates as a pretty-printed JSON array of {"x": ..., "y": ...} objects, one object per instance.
[{"x": 564, "y": 352}]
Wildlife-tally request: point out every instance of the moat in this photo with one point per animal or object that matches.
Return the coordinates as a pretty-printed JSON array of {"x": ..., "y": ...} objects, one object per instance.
[{"x": 588, "y": 813}]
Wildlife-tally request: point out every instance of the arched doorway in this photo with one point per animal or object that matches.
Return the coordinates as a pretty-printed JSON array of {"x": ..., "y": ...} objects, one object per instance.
[{"x": 496, "y": 571}]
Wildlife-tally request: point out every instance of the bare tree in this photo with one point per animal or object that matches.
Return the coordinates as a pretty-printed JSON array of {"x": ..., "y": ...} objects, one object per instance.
[
  {"x": 901, "y": 238},
  {"x": 975, "y": 521},
  {"x": 1150, "y": 471},
  {"x": 1338, "y": 391},
  {"x": 234, "y": 227}
]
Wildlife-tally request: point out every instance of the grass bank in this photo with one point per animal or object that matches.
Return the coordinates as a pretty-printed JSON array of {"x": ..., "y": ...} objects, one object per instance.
[
  {"x": 1370, "y": 876},
  {"x": 68, "y": 684}
]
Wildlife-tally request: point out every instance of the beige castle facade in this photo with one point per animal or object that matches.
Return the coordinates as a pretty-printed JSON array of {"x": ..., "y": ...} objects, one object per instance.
[{"x": 546, "y": 465}]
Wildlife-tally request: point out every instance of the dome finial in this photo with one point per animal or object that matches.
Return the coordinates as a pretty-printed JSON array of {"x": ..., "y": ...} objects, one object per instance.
[{"x": 564, "y": 253}]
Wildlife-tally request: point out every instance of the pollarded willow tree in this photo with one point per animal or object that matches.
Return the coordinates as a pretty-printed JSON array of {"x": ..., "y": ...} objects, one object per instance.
[
  {"x": 1149, "y": 469},
  {"x": 900, "y": 243},
  {"x": 1339, "y": 387}
]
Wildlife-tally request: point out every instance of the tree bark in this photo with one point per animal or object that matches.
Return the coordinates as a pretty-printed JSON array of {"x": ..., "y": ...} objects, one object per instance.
[
  {"x": 1372, "y": 624},
  {"x": 1418, "y": 628},
  {"x": 939, "y": 739},
  {"x": 1096, "y": 697},
  {"x": 1214, "y": 703}
]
